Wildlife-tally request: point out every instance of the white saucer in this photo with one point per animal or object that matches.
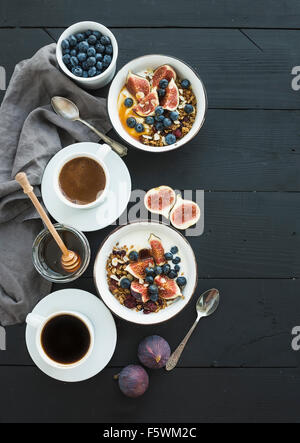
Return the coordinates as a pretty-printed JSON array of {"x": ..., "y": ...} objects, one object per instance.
[
  {"x": 104, "y": 326},
  {"x": 94, "y": 218}
]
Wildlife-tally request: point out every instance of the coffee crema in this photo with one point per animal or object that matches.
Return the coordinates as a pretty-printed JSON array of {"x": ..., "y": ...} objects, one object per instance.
[{"x": 82, "y": 180}]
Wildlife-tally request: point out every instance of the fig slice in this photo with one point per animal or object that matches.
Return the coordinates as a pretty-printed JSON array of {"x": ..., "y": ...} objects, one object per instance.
[
  {"x": 138, "y": 268},
  {"x": 139, "y": 291},
  {"x": 160, "y": 200},
  {"x": 147, "y": 105},
  {"x": 137, "y": 85},
  {"x": 167, "y": 287},
  {"x": 171, "y": 99},
  {"x": 185, "y": 213},
  {"x": 161, "y": 72},
  {"x": 158, "y": 251}
]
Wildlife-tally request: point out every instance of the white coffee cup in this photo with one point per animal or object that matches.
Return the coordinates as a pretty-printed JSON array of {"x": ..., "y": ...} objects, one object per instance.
[
  {"x": 103, "y": 151},
  {"x": 38, "y": 322}
]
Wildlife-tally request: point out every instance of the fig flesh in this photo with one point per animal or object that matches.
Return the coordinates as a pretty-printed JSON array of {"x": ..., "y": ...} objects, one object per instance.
[
  {"x": 133, "y": 381},
  {"x": 171, "y": 99},
  {"x": 185, "y": 213},
  {"x": 167, "y": 287},
  {"x": 146, "y": 106},
  {"x": 158, "y": 251},
  {"x": 138, "y": 268},
  {"x": 154, "y": 352},
  {"x": 160, "y": 200},
  {"x": 161, "y": 72},
  {"x": 137, "y": 85},
  {"x": 139, "y": 291}
]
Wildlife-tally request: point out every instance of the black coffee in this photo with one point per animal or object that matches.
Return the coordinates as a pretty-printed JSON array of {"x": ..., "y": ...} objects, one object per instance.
[{"x": 65, "y": 339}]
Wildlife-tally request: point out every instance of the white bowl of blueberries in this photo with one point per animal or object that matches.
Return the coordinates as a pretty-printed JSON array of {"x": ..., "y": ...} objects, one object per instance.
[{"x": 87, "y": 52}]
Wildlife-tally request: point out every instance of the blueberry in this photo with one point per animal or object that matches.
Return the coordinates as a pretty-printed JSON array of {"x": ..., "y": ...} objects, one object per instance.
[
  {"x": 185, "y": 84},
  {"x": 131, "y": 122},
  {"x": 88, "y": 33},
  {"x": 174, "y": 249},
  {"x": 66, "y": 59},
  {"x": 77, "y": 71},
  {"x": 174, "y": 115},
  {"x": 159, "y": 110},
  {"x": 159, "y": 118},
  {"x": 83, "y": 46},
  {"x": 65, "y": 44},
  {"x": 66, "y": 51},
  {"x": 109, "y": 49},
  {"x": 99, "y": 57},
  {"x": 159, "y": 126},
  {"x": 154, "y": 297},
  {"x": 170, "y": 139},
  {"x": 163, "y": 83},
  {"x": 149, "y": 279},
  {"x": 79, "y": 37},
  {"x": 176, "y": 260},
  {"x": 149, "y": 120},
  {"x": 85, "y": 74},
  {"x": 99, "y": 66},
  {"x": 139, "y": 127},
  {"x": 92, "y": 71},
  {"x": 91, "y": 52},
  {"x": 128, "y": 102},
  {"x": 168, "y": 256},
  {"x": 161, "y": 93},
  {"x": 73, "y": 53},
  {"x": 72, "y": 40},
  {"x": 92, "y": 40},
  {"x": 125, "y": 283},
  {"x": 153, "y": 289},
  {"x": 84, "y": 66},
  {"x": 106, "y": 60},
  {"x": 73, "y": 61},
  {"x": 91, "y": 61},
  {"x": 167, "y": 122},
  {"x": 177, "y": 268},
  {"x": 158, "y": 270},
  {"x": 82, "y": 57},
  {"x": 105, "y": 40},
  {"x": 97, "y": 34},
  {"x": 172, "y": 274},
  {"x": 150, "y": 271},
  {"x": 181, "y": 281},
  {"x": 133, "y": 256},
  {"x": 100, "y": 48},
  {"x": 189, "y": 108}
]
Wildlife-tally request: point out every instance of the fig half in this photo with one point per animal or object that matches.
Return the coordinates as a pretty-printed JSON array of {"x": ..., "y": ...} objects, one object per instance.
[
  {"x": 161, "y": 72},
  {"x": 137, "y": 85},
  {"x": 158, "y": 251},
  {"x": 160, "y": 200},
  {"x": 170, "y": 101},
  {"x": 167, "y": 287},
  {"x": 139, "y": 291},
  {"x": 147, "y": 105},
  {"x": 185, "y": 213},
  {"x": 138, "y": 268}
]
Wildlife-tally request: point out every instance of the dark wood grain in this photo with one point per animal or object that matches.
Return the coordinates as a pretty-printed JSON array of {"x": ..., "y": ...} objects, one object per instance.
[{"x": 191, "y": 13}]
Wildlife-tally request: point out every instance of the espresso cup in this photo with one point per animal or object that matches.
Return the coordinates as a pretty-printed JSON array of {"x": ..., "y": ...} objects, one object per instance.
[
  {"x": 40, "y": 323},
  {"x": 100, "y": 159}
]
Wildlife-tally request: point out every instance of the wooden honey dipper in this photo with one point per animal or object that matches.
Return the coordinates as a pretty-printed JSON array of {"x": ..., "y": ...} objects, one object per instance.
[{"x": 70, "y": 260}]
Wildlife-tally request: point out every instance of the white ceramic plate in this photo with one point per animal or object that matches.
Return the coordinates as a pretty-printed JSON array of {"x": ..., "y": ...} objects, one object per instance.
[
  {"x": 105, "y": 213},
  {"x": 137, "y": 234},
  {"x": 153, "y": 61},
  {"x": 101, "y": 319}
]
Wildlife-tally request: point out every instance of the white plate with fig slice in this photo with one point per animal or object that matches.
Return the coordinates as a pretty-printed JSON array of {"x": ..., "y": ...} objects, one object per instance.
[
  {"x": 157, "y": 103},
  {"x": 145, "y": 272}
]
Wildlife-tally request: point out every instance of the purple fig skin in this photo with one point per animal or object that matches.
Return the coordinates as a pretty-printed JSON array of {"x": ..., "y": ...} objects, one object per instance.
[
  {"x": 154, "y": 352},
  {"x": 133, "y": 381}
]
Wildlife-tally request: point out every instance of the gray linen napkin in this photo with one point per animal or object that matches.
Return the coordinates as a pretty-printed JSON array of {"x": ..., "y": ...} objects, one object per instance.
[{"x": 30, "y": 134}]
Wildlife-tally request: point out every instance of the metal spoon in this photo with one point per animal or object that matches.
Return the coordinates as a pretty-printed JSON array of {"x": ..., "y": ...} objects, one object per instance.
[
  {"x": 205, "y": 306},
  {"x": 67, "y": 109}
]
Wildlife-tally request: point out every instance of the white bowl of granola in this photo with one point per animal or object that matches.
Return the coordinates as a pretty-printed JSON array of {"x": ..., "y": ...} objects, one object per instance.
[
  {"x": 141, "y": 301},
  {"x": 137, "y": 92}
]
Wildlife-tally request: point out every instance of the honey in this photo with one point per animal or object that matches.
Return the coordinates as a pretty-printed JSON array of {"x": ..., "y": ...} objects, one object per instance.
[{"x": 125, "y": 113}]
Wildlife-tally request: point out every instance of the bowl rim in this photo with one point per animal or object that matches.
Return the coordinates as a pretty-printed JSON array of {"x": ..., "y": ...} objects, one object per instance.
[
  {"x": 170, "y": 147},
  {"x": 58, "y": 52},
  {"x": 149, "y": 222}
]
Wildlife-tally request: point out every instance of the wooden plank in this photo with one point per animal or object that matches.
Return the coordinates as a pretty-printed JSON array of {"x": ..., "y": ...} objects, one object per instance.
[
  {"x": 252, "y": 328},
  {"x": 237, "y": 71},
  {"x": 183, "y": 395},
  {"x": 207, "y": 13}
]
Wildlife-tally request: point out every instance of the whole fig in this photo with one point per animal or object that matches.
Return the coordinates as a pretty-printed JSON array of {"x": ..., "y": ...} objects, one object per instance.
[
  {"x": 154, "y": 352},
  {"x": 133, "y": 381}
]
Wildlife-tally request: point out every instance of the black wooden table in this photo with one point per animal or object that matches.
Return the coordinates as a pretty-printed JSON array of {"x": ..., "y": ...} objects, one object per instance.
[{"x": 239, "y": 365}]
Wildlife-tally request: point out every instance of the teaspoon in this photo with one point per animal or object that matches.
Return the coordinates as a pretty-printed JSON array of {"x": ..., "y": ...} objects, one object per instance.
[{"x": 205, "y": 306}]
